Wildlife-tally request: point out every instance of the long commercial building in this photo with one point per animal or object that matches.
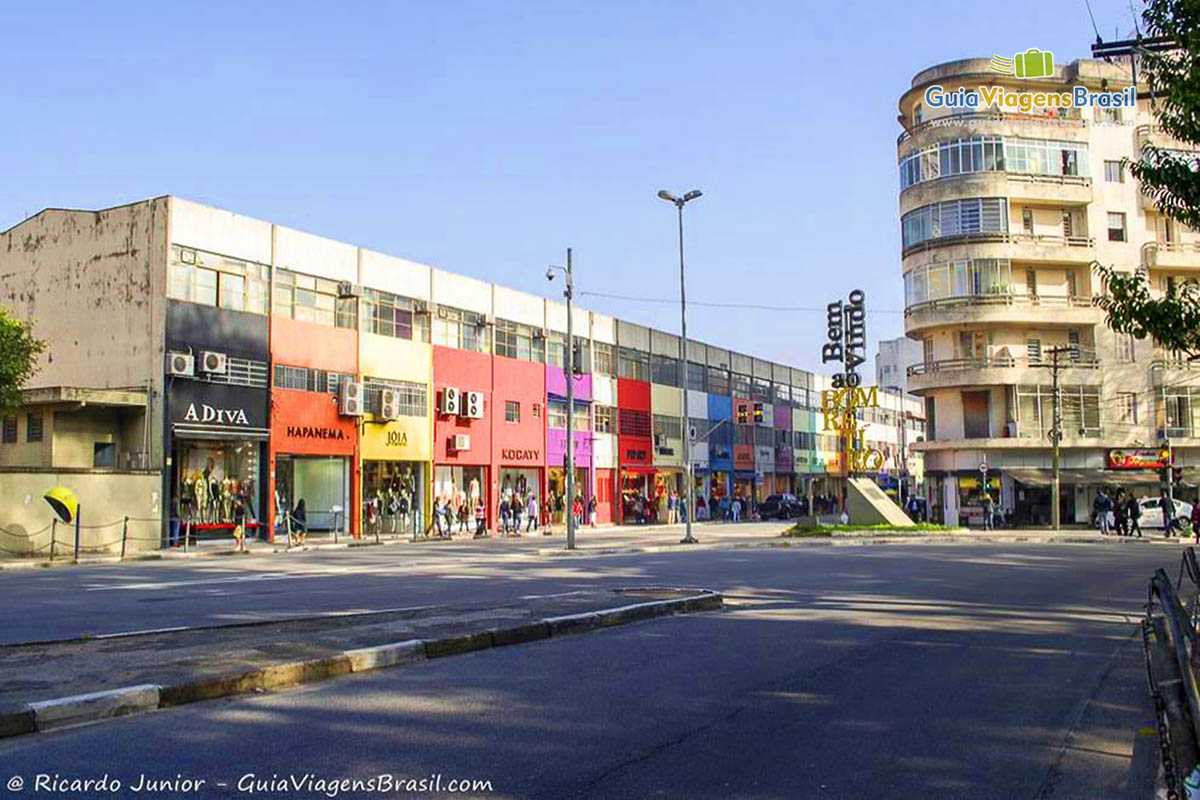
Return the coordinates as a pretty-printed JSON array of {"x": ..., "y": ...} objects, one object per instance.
[
  {"x": 1002, "y": 216},
  {"x": 253, "y": 358}
]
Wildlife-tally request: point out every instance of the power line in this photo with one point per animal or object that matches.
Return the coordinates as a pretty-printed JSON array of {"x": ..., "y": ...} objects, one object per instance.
[{"x": 749, "y": 306}]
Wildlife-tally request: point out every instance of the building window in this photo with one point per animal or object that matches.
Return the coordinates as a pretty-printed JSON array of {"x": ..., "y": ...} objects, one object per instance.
[
  {"x": 33, "y": 426},
  {"x": 304, "y": 379},
  {"x": 1116, "y": 226},
  {"x": 412, "y": 399},
  {"x": 556, "y": 349},
  {"x": 1027, "y": 220},
  {"x": 512, "y": 411},
  {"x": 461, "y": 329},
  {"x": 634, "y": 364},
  {"x": 1125, "y": 347},
  {"x": 1033, "y": 350},
  {"x": 213, "y": 280},
  {"x": 633, "y": 423},
  {"x": 605, "y": 359},
  {"x": 955, "y": 218},
  {"x": 718, "y": 380},
  {"x": 604, "y": 419},
  {"x": 664, "y": 370},
  {"x": 1080, "y": 410},
  {"x": 1110, "y": 115},
  {"x": 760, "y": 390},
  {"x": 583, "y": 416},
  {"x": 9, "y": 434},
  {"x": 556, "y": 414},
  {"x": 668, "y": 427},
  {"x": 1114, "y": 172},
  {"x": 991, "y": 154},
  {"x": 695, "y": 376},
  {"x": 104, "y": 454},
  {"x": 1127, "y": 408},
  {"x": 514, "y": 340},
  {"x": 312, "y": 299},
  {"x": 741, "y": 384},
  {"x": 387, "y": 314},
  {"x": 537, "y": 410}
]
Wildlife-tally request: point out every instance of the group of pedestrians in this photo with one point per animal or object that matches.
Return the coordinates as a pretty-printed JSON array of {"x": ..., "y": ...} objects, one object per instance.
[{"x": 1121, "y": 514}]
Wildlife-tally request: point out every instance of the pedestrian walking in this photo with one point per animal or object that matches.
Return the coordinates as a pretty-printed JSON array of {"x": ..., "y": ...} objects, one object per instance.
[
  {"x": 1104, "y": 506},
  {"x": 300, "y": 522},
  {"x": 480, "y": 519},
  {"x": 1134, "y": 509},
  {"x": 577, "y": 510},
  {"x": 464, "y": 516},
  {"x": 531, "y": 512},
  {"x": 672, "y": 508},
  {"x": 1196, "y": 522},
  {"x": 505, "y": 517},
  {"x": 1120, "y": 514},
  {"x": 735, "y": 509},
  {"x": 591, "y": 510},
  {"x": 1168, "y": 513},
  {"x": 989, "y": 512}
]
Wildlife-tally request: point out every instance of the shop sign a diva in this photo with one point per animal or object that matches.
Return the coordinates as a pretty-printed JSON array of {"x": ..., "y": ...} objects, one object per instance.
[{"x": 216, "y": 416}]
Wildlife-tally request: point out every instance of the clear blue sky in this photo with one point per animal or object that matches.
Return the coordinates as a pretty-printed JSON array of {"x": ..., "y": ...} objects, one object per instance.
[{"x": 486, "y": 137}]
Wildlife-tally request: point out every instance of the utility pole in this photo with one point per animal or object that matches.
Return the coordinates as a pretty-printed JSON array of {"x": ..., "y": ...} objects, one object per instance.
[
  {"x": 1056, "y": 437},
  {"x": 569, "y": 371}
]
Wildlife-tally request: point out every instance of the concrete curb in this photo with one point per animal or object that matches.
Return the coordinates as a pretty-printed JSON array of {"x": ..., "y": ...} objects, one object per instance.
[{"x": 22, "y": 718}]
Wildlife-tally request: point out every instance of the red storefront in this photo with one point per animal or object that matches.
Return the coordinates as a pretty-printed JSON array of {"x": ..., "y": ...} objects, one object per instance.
[
  {"x": 313, "y": 450},
  {"x": 462, "y": 429},
  {"x": 744, "y": 479},
  {"x": 518, "y": 416},
  {"x": 635, "y": 446}
]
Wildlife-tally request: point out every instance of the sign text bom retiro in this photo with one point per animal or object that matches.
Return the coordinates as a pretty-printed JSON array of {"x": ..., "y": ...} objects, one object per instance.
[{"x": 840, "y": 408}]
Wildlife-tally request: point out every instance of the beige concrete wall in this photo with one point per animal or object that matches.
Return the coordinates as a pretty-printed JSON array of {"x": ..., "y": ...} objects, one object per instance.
[
  {"x": 104, "y": 497},
  {"x": 93, "y": 285}
]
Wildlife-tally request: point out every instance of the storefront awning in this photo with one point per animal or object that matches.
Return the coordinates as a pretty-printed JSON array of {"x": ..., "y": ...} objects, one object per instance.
[
  {"x": 225, "y": 434},
  {"x": 638, "y": 469},
  {"x": 1100, "y": 477}
]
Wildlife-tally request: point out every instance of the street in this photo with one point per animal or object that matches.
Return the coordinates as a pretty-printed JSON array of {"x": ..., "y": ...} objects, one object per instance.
[{"x": 906, "y": 670}]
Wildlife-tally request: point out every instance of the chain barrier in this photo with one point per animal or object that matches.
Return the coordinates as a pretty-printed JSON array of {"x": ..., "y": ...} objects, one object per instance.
[{"x": 57, "y": 544}]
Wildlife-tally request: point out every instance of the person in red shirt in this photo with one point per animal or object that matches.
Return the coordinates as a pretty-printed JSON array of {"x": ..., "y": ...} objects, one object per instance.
[
  {"x": 577, "y": 510},
  {"x": 480, "y": 519}
]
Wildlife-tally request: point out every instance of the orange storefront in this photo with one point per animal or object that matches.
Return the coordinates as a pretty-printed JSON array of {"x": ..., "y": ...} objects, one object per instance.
[{"x": 313, "y": 452}]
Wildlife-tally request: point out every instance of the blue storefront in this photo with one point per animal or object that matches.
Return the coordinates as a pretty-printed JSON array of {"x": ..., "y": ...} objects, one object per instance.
[{"x": 720, "y": 445}]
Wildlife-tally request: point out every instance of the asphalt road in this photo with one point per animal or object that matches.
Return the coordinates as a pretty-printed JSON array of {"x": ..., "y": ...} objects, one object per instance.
[{"x": 898, "y": 671}]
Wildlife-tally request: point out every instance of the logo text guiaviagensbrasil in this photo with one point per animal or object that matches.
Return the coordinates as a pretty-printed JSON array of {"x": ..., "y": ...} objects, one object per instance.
[{"x": 1032, "y": 63}]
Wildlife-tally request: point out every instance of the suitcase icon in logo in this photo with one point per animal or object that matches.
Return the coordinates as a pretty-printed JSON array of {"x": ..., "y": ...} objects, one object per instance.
[{"x": 1034, "y": 64}]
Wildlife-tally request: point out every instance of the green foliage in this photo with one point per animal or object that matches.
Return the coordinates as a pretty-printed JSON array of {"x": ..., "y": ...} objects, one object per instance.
[
  {"x": 18, "y": 360},
  {"x": 819, "y": 531},
  {"x": 1174, "y": 182}
]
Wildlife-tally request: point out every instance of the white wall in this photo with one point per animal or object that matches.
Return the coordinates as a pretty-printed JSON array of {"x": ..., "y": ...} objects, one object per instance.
[
  {"x": 218, "y": 231},
  {"x": 395, "y": 275}
]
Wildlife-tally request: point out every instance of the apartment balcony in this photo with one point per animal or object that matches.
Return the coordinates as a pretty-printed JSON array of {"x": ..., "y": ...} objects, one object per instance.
[
  {"x": 1175, "y": 372},
  {"x": 957, "y": 126},
  {"x": 1171, "y": 255},
  {"x": 1157, "y": 136},
  {"x": 1079, "y": 367},
  {"x": 1013, "y": 246},
  {"x": 1001, "y": 309},
  {"x": 1058, "y": 190}
]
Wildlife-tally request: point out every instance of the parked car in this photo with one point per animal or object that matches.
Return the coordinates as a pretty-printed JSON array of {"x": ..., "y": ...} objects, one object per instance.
[
  {"x": 780, "y": 506},
  {"x": 1152, "y": 513}
]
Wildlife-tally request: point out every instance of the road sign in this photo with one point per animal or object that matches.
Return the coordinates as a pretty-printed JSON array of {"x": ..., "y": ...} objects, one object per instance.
[{"x": 983, "y": 467}]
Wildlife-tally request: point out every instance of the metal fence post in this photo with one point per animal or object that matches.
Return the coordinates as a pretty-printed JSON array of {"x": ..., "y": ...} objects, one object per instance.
[
  {"x": 53, "y": 533},
  {"x": 124, "y": 537}
]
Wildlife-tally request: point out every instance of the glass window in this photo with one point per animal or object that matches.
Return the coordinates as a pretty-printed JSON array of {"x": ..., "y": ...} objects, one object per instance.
[
  {"x": 213, "y": 280},
  {"x": 604, "y": 419},
  {"x": 556, "y": 414},
  {"x": 583, "y": 417},
  {"x": 556, "y": 349},
  {"x": 741, "y": 384},
  {"x": 9, "y": 435},
  {"x": 308, "y": 380},
  {"x": 512, "y": 411},
  {"x": 1114, "y": 172},
  {"x": 633, "y": 423},
  {"x": 412, "y": 399},
  {"x": 605, "y": 363},
  {"x": 311, "y": 299},
  {"x": 33, "y": 426},
  {"x": 955, "y": 218},
  {"x": 695, "y": 375},
  {"x": 1127, "y": 408},
  {"x": 1116, "y": 226},
  {"x": 718, "y": 380},
  {"x": 760, "y": 390},
  {"x": 514, "y": 340},
  {"x": 461, "y": 329},
  {"x": 634, "y": 364},
  {"x": 664, "y": 370},
  {"x": 668, "y": 426}
]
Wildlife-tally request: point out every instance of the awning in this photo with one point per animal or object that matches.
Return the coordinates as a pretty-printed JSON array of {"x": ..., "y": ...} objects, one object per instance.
[
  {"x": 1082, "y": 477},
  {"x": 638, "y": 469},
  {"x": 225, "y": 434}
]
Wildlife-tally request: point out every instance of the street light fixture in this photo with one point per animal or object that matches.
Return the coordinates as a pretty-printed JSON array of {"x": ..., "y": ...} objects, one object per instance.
[{"x": 690, "y": 488}]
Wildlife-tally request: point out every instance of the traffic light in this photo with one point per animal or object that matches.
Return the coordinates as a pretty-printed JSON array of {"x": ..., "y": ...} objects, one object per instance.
[
  {"x": 758, "y": 413},
  {"x": 743, "y": 414}
]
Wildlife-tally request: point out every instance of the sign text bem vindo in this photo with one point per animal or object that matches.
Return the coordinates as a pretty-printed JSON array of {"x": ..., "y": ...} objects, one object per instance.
[{"x": 847, "y": 334}]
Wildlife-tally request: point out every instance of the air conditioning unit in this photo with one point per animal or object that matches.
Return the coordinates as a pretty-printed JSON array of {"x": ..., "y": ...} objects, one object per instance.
[
  {"x": 450, "y": 401},
  {"x": 347, "y": 289},
  {"x": 350, "y": 399},
  {"x": 213, "y": 363},
  {"x": 474, "y": 405},
  {"x": 666, "y": 451},
  {"x": 461, "y": 441},
  {"x": 660, "y": 440},
  {"x": 389, "y": 404},
  {"x": 183, "y": 364}
]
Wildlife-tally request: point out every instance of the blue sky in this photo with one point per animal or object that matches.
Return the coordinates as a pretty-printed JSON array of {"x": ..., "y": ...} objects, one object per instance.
[{"x": 486, "y": 137}]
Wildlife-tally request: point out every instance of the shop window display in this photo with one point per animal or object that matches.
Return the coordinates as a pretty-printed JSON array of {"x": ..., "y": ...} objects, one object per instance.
[
  {"x": 392, "y": 496},
  {"x": 211, "y": 476}
]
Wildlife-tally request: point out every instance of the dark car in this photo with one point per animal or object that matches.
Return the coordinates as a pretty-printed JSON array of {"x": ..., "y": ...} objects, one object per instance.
[{"x": 780, "y": 506}]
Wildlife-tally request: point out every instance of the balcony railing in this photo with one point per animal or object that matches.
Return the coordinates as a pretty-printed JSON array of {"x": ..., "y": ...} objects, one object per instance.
[
  {"x": 966, "y": 120},
  {"x": 1077, "y": 358},
  {"x": 1038, "y": 240},
  {"x": 1060, "y": 180},
  {"x": 1150, "y": 250},
  {"x": 999, "y": 299}
]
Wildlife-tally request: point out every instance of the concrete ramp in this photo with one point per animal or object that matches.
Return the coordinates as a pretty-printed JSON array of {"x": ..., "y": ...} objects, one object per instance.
[{"x": 868, "y": 505}]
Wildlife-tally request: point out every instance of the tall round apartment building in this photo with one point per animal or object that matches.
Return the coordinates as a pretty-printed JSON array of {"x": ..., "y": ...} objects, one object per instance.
[{"x": 1002, "y": 215}]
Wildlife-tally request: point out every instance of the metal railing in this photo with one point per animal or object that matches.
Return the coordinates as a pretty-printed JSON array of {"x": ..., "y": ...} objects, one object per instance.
[
  {"x": 1000, "y": 299},
  {"x": 1020, "y": 238},
  {"x": 1077, "y": 358},
  {"x": 967, "y": 120},
  {"x": 1150, "y": 251}
]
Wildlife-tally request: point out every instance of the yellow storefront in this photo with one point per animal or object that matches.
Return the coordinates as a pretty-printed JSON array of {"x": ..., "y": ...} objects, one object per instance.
[{"x": 396, "y": 453}]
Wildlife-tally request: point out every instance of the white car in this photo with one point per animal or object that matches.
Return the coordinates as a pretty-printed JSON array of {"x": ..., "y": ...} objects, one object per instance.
[{"x": 1152, "y": 513}]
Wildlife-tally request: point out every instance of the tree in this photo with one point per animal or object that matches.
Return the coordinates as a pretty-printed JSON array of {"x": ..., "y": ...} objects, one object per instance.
[
  {"x": 1171, "y": 178},
  {"x": 18, "y": 360}
]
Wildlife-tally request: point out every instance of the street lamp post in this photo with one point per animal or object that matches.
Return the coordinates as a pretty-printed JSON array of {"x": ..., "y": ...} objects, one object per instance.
[
  {"x": 569, "y": 371},
  {"x": 689, "y": 489}
]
